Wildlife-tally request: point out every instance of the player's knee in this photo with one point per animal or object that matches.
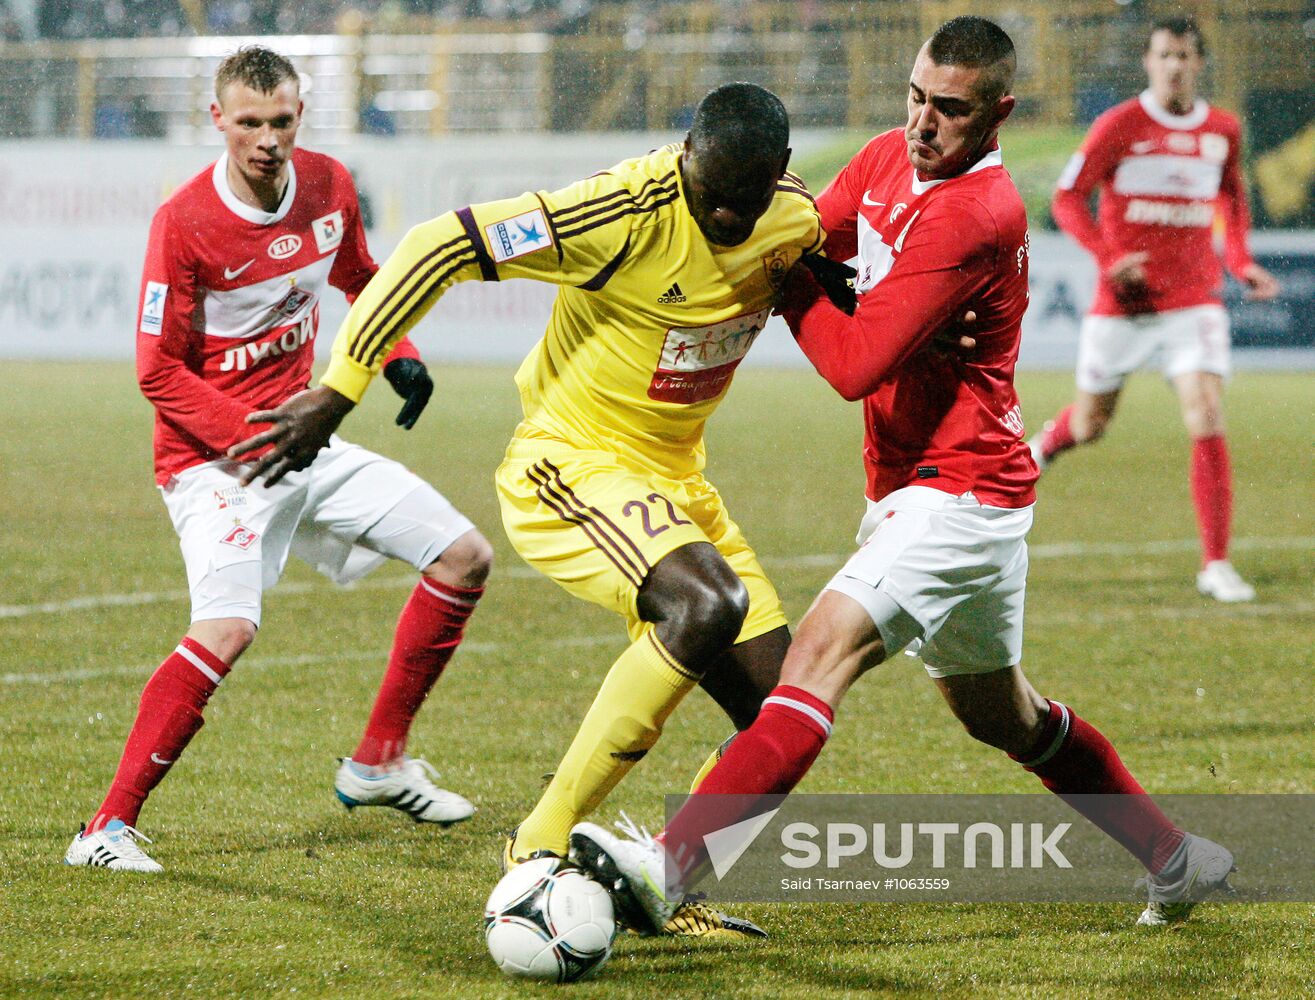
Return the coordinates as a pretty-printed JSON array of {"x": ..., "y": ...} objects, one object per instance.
[
  {"x": 226, "y": 638},
  {"x": 465, "y": 563},
  {"x": 715, "y": 612},
  {"x": 811, "y": 653},
  {"x": 1204, "y": 420},
  {"x": 1090, "y": 427},
  {"x": 700, "y": 618}
]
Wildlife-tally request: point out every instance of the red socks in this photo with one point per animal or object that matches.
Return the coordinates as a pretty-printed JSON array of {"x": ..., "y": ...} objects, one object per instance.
[
  {"x": 1212, "y": 493},
  {"x": 773, "y": 755},
  {"x": 770, "y": 757},
  {"x": 1057, "y": 436},
  {"x": 168, "y": 716},
  {"x": 1072, "y": 758},
  {"x": 428, "y": 633}
]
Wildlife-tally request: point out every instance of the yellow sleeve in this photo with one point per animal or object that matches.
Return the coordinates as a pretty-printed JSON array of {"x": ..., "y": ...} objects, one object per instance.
[{"x": 575, "y": 236}]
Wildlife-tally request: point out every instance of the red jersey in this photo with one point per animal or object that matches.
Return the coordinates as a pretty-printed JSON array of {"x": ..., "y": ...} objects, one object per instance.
[
  {"x": 1162, "y": 179},
  {"x": 926, "y": 252},
  {"x": 230, "y": 302}
]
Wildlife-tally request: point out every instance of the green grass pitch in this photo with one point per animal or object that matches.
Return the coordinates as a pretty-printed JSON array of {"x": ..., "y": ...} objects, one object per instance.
[{"x": 271, "y": 888}]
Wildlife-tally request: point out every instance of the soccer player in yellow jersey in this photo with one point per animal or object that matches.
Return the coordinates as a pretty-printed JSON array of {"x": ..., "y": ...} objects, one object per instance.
[{"x": 669, "y": 265}]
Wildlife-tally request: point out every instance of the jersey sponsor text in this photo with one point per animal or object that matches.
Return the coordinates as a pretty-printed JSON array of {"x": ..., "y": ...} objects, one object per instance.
[
  {"x": 1193, "y": 214},
  {"x": 697, "y": 363},
  {"x": 249, "y": 354}
]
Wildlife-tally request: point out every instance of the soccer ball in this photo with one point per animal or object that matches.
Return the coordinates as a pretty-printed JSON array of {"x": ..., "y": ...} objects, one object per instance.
[{"x": 547, "y": 920}]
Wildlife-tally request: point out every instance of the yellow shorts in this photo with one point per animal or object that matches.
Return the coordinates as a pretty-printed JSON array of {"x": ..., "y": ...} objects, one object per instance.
[{"x": 597, "y": 526}]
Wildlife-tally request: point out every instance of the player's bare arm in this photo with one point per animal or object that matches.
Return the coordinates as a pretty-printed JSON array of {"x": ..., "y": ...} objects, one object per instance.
[
  {"x": 1129, "y": 271},
  {"x": 1261, "y": 285},
  {"x": 299, "y": 429}
]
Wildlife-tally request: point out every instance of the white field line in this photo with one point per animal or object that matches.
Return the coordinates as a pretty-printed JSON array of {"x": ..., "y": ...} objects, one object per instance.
[
  {"x": 379, "y": 655},
  {"x": 1053, "y": 550},
  {"x": 1205, "y": 611},
  {"x": 1212, "y": 612},
  {"x": 1038, "y": 619}
]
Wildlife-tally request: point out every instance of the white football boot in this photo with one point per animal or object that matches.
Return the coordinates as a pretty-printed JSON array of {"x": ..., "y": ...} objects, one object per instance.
[
  {"x": 1202, "y": 866},
  {"x": 407, "y": 788},
  {"x": 1220, "y": 581},
  {"x": 113, "y": 846},
  {"x": 633, "y": 868}
]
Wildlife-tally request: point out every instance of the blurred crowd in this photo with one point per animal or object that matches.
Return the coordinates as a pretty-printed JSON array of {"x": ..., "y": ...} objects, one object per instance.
[{"x": 164, "y": 18}]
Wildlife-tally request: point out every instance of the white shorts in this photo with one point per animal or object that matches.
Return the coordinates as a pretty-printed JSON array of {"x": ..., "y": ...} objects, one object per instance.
[
  {"x": 946, "y": 571},
  {"x": 1111, "y": 348},
  {"x": 346, "y": 514}
]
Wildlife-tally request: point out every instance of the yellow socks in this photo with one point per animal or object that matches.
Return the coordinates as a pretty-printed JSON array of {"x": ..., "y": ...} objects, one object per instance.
[
  {"x": 710, "y": 763},
  {"x": 643, "y": 687}
]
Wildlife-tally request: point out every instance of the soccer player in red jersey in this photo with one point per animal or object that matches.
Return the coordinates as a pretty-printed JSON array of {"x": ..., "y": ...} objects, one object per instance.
[
  {"x": 935, "y": 228},
  {"x": 237, "y": 261},
  {"x": 1166, "y": 165}
]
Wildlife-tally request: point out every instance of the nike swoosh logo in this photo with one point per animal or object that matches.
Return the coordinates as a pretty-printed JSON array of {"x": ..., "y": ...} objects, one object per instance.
[
  {"x": 160, "y": 760},
  {"x": 874, "y": 204},
  {"x": 229, "y": 275}
]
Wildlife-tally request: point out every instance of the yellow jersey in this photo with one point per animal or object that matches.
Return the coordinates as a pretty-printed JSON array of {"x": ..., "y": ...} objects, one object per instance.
[{"x": 649, "y": 324}]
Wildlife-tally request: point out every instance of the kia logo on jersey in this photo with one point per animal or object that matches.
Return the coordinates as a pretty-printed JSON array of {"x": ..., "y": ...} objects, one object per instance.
[{"x": 284, "y": 247}]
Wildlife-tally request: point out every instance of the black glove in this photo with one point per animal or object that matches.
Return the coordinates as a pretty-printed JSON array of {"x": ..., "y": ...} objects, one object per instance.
[
  {"x": 410, "y": 380},
  {"x": 836, "y": 279}
]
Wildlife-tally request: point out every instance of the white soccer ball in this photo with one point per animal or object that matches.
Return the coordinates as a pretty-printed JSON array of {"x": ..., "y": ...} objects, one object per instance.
[{"x": 548, "y": 920}]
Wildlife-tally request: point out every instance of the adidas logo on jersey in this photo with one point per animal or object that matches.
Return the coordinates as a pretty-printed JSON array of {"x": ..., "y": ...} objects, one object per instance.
[{"x": 671, "y": 296}]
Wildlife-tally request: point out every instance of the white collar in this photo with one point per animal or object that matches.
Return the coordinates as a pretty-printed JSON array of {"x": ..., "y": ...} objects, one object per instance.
[
  {"x": 1183, "y": 123},
  {"x": 249, "y": 212},
  {"x": 995, "y": 158}
]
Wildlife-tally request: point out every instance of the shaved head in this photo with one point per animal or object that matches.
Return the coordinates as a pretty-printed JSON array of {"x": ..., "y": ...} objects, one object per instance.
[{"x": 976, "y": 43}]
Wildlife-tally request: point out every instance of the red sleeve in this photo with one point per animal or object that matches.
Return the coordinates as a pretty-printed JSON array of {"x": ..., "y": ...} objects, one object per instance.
[
  {"x": 402, "y": 349},
  {"x": 1092, "y": 165},
  {"x": 946, "y": 258},
  {"x": 354, "y": 267},
  {"x": 1237, "y": 215},
  {"x": 836, "y": 206},
  {"x": 164, "y": 338}
]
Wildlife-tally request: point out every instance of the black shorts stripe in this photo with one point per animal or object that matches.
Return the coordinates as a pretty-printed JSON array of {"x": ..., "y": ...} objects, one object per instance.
[
  {"x": 665, "y": 655},
  {"x": 632, "y": 210},
  {"x": 599, "y": 516},
  {"x": 548, "y": 496},
  {"x": 558, "y": 504},
  {"x": 415, "y": 299}
]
